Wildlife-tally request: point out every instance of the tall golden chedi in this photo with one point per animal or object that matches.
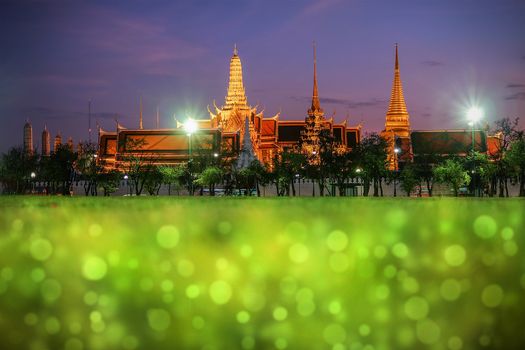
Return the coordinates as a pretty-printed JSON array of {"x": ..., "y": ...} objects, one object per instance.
[
  {"x": 46, "y": 142},
  {"x": 28, "y": 138},
  {"x": 230, "y": 117},
  {"x": 397, "y": 124}
]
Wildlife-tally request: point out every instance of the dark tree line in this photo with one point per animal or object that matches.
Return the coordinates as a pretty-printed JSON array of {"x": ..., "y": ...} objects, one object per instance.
[{"x": 331, "y": 170}]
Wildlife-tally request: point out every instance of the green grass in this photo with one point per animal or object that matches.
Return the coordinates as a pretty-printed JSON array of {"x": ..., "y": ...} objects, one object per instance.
[{"x": 221, "y": 273}]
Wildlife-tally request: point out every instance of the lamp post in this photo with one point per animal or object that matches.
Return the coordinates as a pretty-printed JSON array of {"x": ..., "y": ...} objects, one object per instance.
[
  {"x": 396, "y": 168},
  {"x": 126, "y": 177},
  {"x": 33, "y": 176},
  {"x": 190, "y": 126},
  {"x": 474, "y": 115},
  {"x": 357, "y": 172}
]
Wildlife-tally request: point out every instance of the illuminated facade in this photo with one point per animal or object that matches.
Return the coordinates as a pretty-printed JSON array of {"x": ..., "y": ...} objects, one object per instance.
[{"x": 224, "y": 131}]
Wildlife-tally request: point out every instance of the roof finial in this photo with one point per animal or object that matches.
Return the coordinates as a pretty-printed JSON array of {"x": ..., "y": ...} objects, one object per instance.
[
  {"x": 235, "y": 52},
  {"x": 397, "y": 59},
  {"x": 158, "y": 121},
  {"x": 140, "y": 116}
]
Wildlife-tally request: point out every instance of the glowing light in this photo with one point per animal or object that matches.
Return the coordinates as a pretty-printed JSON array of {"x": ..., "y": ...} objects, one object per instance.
[
  {"x": 358, "y": 170},
  {"x": 191, "y": 126},
  {"x": 474, "y": 114},
  {"x": 397, "y": 150},
  {"x": 33, "y": 175}
]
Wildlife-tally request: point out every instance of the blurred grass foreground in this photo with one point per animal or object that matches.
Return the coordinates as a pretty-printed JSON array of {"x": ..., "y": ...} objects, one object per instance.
[{"x": 223, "y": 273}]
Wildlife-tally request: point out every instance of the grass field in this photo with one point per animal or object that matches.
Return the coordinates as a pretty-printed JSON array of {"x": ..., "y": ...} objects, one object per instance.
[{"x": 222, "y": 273}]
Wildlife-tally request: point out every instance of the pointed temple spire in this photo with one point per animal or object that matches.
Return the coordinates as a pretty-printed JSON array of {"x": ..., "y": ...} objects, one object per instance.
[
  {"x": 315, "y": 109},
  {"x": 140, "y": 115},
  {"x": 236, "y": 95},
  {"x": 316, "y": 105},
  {"x": 397, "y": 115}
]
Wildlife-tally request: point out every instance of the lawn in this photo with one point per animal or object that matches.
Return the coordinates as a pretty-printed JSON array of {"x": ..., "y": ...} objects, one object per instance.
[{"x": 248, "y": 273}]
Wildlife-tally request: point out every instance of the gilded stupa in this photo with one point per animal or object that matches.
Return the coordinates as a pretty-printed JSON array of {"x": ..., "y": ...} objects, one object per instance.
[{"x": 397, "y": 123}]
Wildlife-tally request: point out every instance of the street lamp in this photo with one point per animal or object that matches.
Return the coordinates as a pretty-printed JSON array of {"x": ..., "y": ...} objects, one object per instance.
[
  {"x": 474, "y": 115},
  {"x": 33, "y": 176},
  {"x": 397, "y": 150},
  {"x": 126, "y": 177},
  {"x": 190, "y": 126}
]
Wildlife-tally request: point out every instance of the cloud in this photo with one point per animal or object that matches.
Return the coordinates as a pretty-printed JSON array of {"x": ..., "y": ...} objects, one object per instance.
[
  {"x": 514, "y": 85},
  {"x": 53, "y": 113},
  {"x": 374, "y": 102},
  {"x": 69, "y": 81},
  {"x": 431, "y": 63},
  {"x": 316, "y": 6},
  {"x": 132, "y": 42},
  {"x": 516, "y": 96}
]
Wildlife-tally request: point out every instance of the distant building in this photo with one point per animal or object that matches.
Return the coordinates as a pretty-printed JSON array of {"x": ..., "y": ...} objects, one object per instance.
[
  {"x": 46, "y": 142},
  {"x": 28, "y": 138},
  {"x": 58, "y": 142}
]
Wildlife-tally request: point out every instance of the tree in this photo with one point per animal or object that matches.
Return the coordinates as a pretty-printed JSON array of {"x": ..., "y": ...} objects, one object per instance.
[
  {"x": 109, "y": 181},
  {"x": 425, "y": 164},
  {"x": 59, "y": 170},
  {"x": 479, "y": 168},
  {"x": 452, "y": 173},
  {"x": 409, "y": 178},
  {"x": 172, "y": 175},
  {"x": 210, "y": 177},
  {"x": 285, "y": 166},
  {"x": 137, "y": 162},
  {"x": 261, "y": 174},
  {"x": 506, "y": 130},
  {"x": 152, "y": 179},
  {"x": 516, "y": 158},
  {"x": 88, "y": 167},
  {"x": 371, "y": 153},
  {"x": 16, "y": 167}
]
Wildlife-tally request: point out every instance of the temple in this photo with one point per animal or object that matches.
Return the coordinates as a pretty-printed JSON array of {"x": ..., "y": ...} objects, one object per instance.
[{"x": 225, "y": 131}]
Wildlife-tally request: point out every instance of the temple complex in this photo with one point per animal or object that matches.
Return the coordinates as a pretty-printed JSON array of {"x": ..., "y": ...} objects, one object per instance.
[
  {"x": 224, "y": 132},
  {"x": 238, "y": 132}
]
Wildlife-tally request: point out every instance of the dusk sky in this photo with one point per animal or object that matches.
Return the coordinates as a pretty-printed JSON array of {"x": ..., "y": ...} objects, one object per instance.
[{"x": 56, "y": 55}]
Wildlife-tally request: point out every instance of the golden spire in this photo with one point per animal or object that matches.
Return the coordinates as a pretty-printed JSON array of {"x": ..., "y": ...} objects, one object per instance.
[
  {"x": 316, "y": 105},
  {"x": 397, "y": 115},
  {"x": 140, "y": 116},
  {"x": 315, "y": 109},
  {"x": 236, "y": 96}
]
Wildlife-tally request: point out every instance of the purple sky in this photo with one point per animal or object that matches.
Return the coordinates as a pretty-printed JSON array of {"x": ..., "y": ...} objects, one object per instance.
[{"x": 58, "y": 54}]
